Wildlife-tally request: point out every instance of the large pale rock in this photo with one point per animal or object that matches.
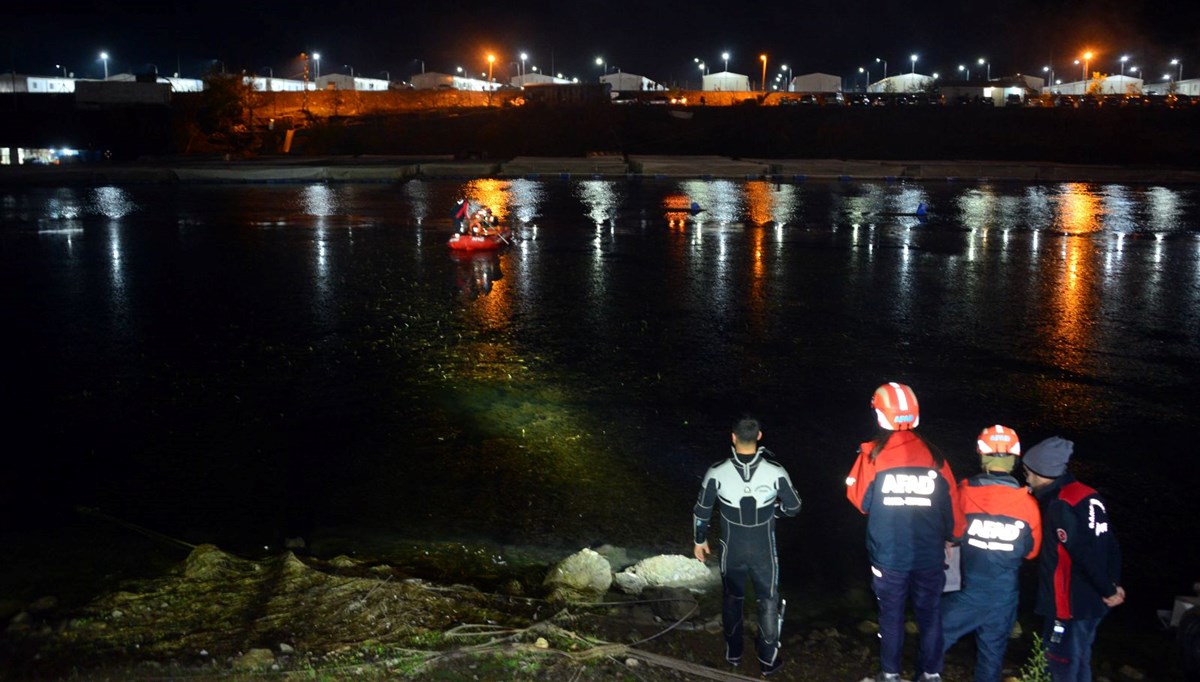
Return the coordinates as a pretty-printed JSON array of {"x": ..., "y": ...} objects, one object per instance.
[
  {"x": 254, "y": 659},
  {"x": 582, "y": 574},
  {"x": 667, "y": 570}
]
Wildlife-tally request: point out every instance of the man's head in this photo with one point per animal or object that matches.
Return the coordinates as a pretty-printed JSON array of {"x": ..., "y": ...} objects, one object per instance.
[
  {"x": 998, "y": 448},
  {"x": 1047, "y": 461},
  {"x": 746, "y": 434}
]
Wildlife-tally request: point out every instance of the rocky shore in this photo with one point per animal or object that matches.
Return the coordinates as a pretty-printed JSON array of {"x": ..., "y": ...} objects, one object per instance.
[
  {"x": 368, "y": 169},
  {"x": 594, "y": 615}
]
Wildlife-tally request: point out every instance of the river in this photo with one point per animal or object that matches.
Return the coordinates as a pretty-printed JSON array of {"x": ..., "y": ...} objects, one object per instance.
[{"x": 242, "y": 363}]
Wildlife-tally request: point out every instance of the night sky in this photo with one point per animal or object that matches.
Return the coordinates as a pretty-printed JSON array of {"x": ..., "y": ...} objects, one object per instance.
[{"x": 655, "y": 39}]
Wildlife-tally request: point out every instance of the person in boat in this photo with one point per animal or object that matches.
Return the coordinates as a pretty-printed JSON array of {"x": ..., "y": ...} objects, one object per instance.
[
  {"x": 462, "y": 211},
  {"x": 751, "y": 491}
]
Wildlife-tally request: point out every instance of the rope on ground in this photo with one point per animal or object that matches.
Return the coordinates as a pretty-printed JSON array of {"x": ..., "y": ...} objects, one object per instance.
[{"x": 92, "y": 511}]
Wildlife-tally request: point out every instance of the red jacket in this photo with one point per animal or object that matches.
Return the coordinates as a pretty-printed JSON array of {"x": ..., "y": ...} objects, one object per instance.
[{"x": 911, "y": 503}]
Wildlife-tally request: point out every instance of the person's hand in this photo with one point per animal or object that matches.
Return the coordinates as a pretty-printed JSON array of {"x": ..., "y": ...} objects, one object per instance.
[
  {"x": 702, "y": 551},
  {"x": 1116, "y": 599}
]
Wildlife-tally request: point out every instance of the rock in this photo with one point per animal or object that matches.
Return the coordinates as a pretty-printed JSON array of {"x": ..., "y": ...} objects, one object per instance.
[
  {"x": 207, "y": 562},
  {"x": 117, "y": 614},
  {"x": 631, "y": 663},
  {"x": 513, "y": 588},
  {"x": 676, "y": 603},
  {"x": 343, "y": 561},
  {"x": 584, "y": 573},
  {"x": 285, "y": 648},
  {"x": 630, "y": 582},
  {"x": 254, "y": 659},
  {"x": 1128, "y": 672},
  {"x": 43, "y": 604},
  {"x": 868, "y": 627},
  {"x": 669, "y": 570},
  {"x": 541, "y": 643},
  {"x": 618, "y": 557},
  {"x": 20, "y": 619},
  {"x": 1016, "y": 631}
]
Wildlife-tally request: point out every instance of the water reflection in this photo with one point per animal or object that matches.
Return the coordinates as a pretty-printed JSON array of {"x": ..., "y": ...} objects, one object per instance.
[
  {"x": 475, "y": 273},
  {"x": 1079, "y": 210}
]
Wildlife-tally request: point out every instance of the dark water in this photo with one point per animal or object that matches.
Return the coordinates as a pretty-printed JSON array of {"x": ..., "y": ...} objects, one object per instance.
[{"x": 238, "y": 364}]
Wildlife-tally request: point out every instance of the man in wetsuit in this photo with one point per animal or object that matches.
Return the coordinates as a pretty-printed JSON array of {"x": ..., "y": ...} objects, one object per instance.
[{"x": 751, "y": 491}]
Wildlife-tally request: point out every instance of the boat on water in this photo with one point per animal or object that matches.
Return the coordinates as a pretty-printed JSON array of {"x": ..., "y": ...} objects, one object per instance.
[{"x": 486, "y": 241}]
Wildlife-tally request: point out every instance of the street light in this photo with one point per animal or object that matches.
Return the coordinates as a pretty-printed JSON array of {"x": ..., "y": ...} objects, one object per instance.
[
  {"x": 878, "y": 60},
  {"x": 64, "y": 69},
  {"x": 1124, "y": 58},
  {"x": 317, "y": 65},
  {"x": 1087, "y": 58},
  {"x": 1180, "y": 63},
  {"x": 491, "y": 59},
  {"x": 350, "y": 69},
  {"x": 763, "y": 57},
  {"x": 1049, "y": 70},
  {"x": 867, "y": 80},
  {"x": 523, "y": 58},
  {"x": 789, "y": 77},
  {"x": 983, "y": 61},
  {"x": 725, "y": 56},
  {"x": 104, "y": 58},
  {"x": 962, "y": 68},
  {"x": 602, "y": 64},
  {"x": 914, "y": 63}
]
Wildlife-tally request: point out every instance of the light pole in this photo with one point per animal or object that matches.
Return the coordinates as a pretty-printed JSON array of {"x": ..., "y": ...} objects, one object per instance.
[
  {"x": 387, "y": 75},
  {"x": 867, "y": 79},
  {"x": 350, "y": 69},
  {"x": 1178, "y": 62},
  {"x": 983, "y": 61},
  {"x": 317, "y": 65},
  {"x": 763, "y": 57},
  {"x": 603, "y": 66},
  {"x": 64, "y": 69},
  {"x": 491, "y": 59},
  {"x": 700, "y": 65},
  {"x": 784, "y": 68},
  {"x": 523, "y": 58},
  {"x": 962, "y": 68},
  {"x": 1124, "y": 58},
  {"x": 703, "y": 65},
  {"x": 914, "y": 63},
  {"x": 884, "y": 61},
  {"x": 1087, "y": 58},
  {"x": 104, "y": 58},
  {"x": 725, "y": 56},
  {"x": 1050, "y": 71}
]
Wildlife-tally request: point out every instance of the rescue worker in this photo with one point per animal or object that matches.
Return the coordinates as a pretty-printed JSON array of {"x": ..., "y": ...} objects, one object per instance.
[
  {"x": 907, "y": 491},
  {"x": 462, "y": 211},
  {"x": 752, "y": 491},
  {"x": 1080, "y": 569},
  {"x": 1003, "y": 527}
]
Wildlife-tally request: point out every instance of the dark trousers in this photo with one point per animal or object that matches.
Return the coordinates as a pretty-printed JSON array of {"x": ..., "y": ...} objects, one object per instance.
[
  {"x": 893, "y": 590},
  {"x": 990, "y": 615},
  {"x": 761, "y": 568},
  {"x": 1070, "y": 658}
]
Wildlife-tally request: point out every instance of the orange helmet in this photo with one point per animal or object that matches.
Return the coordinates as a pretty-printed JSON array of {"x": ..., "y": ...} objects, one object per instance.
[
  {"x": 998, "y": 440},
  {"x": 896, "y": 407}
]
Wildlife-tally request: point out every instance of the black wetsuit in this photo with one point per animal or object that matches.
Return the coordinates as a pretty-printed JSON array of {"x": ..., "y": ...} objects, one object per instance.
[{"x": 752, "y": 491}]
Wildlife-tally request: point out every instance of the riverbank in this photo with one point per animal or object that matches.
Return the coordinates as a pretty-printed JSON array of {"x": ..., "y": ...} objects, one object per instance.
[
  {"x": 218, "y": 616},
  {"x": 367, "y": 169}
]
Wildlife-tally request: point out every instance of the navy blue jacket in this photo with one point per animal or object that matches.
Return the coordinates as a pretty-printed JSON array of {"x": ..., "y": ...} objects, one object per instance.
[{"x": 1081, "y": 560}]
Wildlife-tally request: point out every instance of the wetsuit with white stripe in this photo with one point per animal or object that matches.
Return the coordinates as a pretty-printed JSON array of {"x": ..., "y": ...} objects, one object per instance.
[{"x": 751, "y": 491}]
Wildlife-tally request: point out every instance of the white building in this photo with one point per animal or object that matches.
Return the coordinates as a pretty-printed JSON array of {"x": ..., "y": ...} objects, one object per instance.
[
  {"x": 726, "y": 81},
  {"x": 341, "y": 81},
  {"x": 628, "y": 82},
  {"x": 177, "y": 84},
  {"x": 817, "y": 82},
  {"x": 1110, "y": 85},
  {"x": 260, "y": 84},
  {"x": 15, "y": 82},
  {"x": 536, "y": 78},
  {"x": 1190, "y": 87},
  {"x": 905, "y": 82},
  {"x": 432, "y": 80}
]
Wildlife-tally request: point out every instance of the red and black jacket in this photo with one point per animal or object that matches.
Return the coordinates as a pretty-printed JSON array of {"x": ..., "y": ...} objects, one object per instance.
[
  {"x": 911, "y": 503},
  {"x": 1081, "y": 560},
  {"x": 1004, "y": 527}
]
